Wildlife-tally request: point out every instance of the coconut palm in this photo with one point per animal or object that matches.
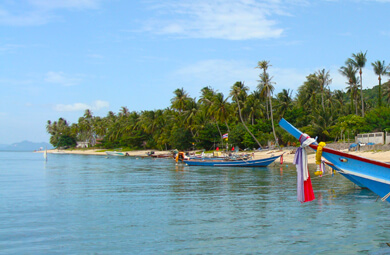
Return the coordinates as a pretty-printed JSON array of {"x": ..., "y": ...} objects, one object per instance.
[
  {"x": 338, "y": 96},
  {"x": 284, "y": 102},
  {"x": 307, "y": 93},
  {"x": 349, "y": 71},
  {"x": 190, "y": 112},
  {"x": 359, "y": 61},
  {"x": 380, "y": 69},
  {"x": 266, "y": 83},
  {"x": 324, "y": 81},
  {"x": 221, "y": 109},
  {"x": 254, "y": 107},
  {"x": 237, "y": 91},
  {"x": 179, "y": 101}
]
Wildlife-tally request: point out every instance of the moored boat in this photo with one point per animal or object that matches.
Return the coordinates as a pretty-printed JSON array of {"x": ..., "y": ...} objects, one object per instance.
[
  {"x": 233, "y": 162},
  {"x": 364, "y": 172},
  {"x": 115, "y": 153}
]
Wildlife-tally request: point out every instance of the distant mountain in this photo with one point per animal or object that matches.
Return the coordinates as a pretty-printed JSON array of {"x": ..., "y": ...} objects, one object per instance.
[{"x": 25, "y": 146}]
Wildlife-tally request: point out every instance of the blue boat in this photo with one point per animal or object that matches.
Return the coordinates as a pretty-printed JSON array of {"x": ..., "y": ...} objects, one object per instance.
[
  {"x": 236, "y": 163},
  {"x": 364, "y": 172}
]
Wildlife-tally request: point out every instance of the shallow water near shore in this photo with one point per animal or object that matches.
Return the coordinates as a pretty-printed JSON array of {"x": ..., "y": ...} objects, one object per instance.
[{"x": 79, "y": 204}]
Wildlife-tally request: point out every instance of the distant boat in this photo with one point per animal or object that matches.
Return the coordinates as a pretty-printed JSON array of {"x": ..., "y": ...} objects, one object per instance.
[
  {"x": 235, "y": 163},
  {"x": 364, "y": 172},
  {"x": 45, "y": 154},
  {"x": 115, "y": 153}
]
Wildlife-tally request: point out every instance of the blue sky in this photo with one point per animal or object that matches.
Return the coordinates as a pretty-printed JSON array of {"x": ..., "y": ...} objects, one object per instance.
[{"x": 60, "y": 57}]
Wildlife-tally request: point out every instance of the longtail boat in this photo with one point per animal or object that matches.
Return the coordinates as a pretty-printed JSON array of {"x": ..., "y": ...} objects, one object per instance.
[
  {"x": 364, "y": 172},
  {"x": 235, "y": 163}
]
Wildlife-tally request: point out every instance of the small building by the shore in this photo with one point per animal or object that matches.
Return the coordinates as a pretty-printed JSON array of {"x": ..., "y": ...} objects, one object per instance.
[{"x": 82, "y": 145}]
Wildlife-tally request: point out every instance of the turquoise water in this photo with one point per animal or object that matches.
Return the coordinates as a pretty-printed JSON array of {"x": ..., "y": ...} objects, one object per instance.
[{"x": 76, "y": 204}]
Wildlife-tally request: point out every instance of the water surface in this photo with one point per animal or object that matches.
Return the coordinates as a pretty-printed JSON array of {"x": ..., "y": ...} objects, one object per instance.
[{"x": 78, "y": 204}]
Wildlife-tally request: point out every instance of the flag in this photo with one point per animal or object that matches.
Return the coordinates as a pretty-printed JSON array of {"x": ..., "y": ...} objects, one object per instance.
[{"x": 225, "y": 136}]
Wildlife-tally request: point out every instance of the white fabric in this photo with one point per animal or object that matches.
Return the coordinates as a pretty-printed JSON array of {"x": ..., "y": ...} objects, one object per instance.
[{"x": 306, "y": 143}]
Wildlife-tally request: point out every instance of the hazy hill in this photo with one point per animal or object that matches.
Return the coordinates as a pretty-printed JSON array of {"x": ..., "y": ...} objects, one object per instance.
[{"x": 25, "y": 146}]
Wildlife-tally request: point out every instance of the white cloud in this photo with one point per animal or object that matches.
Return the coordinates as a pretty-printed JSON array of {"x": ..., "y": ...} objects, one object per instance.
[
  {"x": 61, "y": 78},
  {"x": 30, "y": 18},
  {"x": 10, "y": 47},
  {"x": 67, "y": 4},
  {"x": 222, "y": 19},
  {"x": 95, "y": 106},
  {"x": 38, "y": 12}
]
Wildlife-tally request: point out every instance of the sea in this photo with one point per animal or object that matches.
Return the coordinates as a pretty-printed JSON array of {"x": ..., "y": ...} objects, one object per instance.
[{"x": 85, "y": 204}]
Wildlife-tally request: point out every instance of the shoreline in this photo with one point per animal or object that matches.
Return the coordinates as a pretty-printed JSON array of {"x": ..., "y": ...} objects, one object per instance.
[{"x": 288, "y": 156}]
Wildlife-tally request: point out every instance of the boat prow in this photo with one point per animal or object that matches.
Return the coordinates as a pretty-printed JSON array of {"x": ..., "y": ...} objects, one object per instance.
[{"x": 364, "y": 172}]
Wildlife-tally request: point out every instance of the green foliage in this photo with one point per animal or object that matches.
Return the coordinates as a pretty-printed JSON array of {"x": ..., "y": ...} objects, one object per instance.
[
  {"x": 188, "y": 123},
  {"x": 66, "y": 141},
  {"x": 350, "y": 124},
  {"x": 180, "y": 138},
  {"x": 378, "y": 119},
  {"x": 208, "y": 137},
  {"x": 237, "y": 136}
]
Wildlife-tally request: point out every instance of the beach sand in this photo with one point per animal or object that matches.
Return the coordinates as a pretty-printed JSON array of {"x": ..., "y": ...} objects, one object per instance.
[{"x": 288, "y": 156}]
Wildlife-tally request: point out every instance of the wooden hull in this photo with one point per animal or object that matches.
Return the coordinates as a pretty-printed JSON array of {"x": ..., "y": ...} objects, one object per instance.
[
  {"x": 233, "y": 163},
  {"x": 364, "y": 172}
]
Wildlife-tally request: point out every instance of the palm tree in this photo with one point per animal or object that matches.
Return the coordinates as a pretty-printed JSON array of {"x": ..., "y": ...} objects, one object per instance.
[
  {"x": 266, "y": 83},
  {"x": 349, "y": 71},
  {"x": 254, "y": 106},
  {"x": 359, "y": 61},
  {"x": 307, "y": 93},
  {"x": 380, "y": 69},
  {"x": 339, "y": 99},
  {"x": 237, "y": 90},
  {"x": 284, "y": 101},
  {"x": 192, "y": 109},
  {"x": 221, "y": 109},
  {"x": 179, "y": 101},
  {"x": 324, "y": 80}
]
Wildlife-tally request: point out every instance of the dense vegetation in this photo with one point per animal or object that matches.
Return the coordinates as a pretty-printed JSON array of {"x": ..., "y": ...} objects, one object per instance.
[{"x": 250, "y": 118}]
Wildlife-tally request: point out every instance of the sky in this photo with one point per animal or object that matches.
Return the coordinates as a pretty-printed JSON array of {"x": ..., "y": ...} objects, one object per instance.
[{"x": 61, "y": 57}]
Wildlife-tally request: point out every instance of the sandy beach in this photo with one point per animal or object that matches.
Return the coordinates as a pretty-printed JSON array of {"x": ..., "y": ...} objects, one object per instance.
[{"x": 288, "y": 156}]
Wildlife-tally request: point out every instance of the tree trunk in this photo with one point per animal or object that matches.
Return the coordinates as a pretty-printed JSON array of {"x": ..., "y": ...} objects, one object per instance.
[
  {"x": 219, "y": 130},
  {"x": 272, "y": 120},
  {"x": 361, "y": 91},
  {"x": 227, "y": 126},
  {"x": 239, "y": 113},
  {"x": 380, "y": 92}
]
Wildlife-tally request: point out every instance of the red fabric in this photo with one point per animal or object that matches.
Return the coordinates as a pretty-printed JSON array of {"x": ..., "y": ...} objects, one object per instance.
[
  {"x": 233, "y": 149},
  {"x": 217, "y": 149},
  {"x": 309, "y": 193}
]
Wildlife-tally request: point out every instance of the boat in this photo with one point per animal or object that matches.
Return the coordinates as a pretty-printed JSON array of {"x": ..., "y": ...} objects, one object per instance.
[
  {"x": 364, "y": 172},
  {"x": 115, "y": 153},
  {"x": 233, "y": 162},
  {"x": 45, "y": 155}
]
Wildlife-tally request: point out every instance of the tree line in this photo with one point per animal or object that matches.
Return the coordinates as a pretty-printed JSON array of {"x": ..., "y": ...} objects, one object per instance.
[{"x": 249, "y": 117}]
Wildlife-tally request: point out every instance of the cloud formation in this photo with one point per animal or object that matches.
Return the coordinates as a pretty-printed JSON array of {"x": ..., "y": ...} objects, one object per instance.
[
  {"x": 95, "y": 106},
  {"x": 61, "y": 79},
  {"x": 220, "y": 19},
  {"x": 39, "y": 12}
]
